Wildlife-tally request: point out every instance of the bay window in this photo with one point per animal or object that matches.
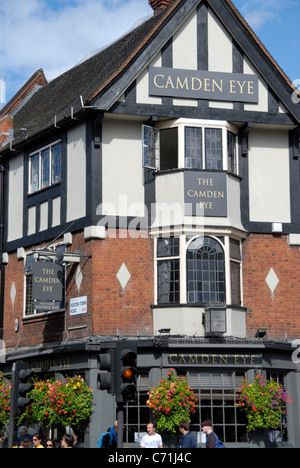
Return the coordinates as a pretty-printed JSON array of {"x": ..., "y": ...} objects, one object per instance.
[
  {"x": 191, "y": 144},
  {"x": 200, "y": 270}
]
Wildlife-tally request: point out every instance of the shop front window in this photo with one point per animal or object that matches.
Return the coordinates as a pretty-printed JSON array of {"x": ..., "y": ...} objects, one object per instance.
[{"x": 218, "y": 401}]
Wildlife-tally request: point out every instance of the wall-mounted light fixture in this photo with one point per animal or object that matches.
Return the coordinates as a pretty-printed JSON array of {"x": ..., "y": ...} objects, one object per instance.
[
  {"x": 215, "y": 321},
  {"x": 261, "y": 333}
]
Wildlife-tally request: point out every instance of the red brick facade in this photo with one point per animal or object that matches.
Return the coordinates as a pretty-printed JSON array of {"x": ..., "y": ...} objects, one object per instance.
[
  {"x": 278, "y": 312},
  {"x": 6, "y": 114},
  {"x": 111, "y": 309}
]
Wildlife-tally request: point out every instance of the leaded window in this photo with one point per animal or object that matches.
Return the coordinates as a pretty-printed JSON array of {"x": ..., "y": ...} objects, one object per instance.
[
  {"x": 45, "y": 167},
  {"x": 213, "y": 149},
  {"x": 168, "y": 271},
  {"x": 205, "y": 272}
]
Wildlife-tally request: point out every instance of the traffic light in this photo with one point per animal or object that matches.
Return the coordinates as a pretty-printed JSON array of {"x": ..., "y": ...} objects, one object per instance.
[
  {"x": 106, "y": 363},
  {"x": 22, "y": 385},
  {"x": 126, "y": 372}
]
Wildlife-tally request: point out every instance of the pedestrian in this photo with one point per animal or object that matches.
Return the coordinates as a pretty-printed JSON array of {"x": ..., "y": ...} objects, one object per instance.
[
  {"x": 109, "y": 438},
  {"x": 37, "y": 440},
  {"x": 187, "y": 440},
  {"x": 151, "y": 439},
  {"x": 1, "y": 436},
  {"x": 49, "y": 443},
  {"x": 212, "y": 440},
  {"x": 23, "y": 431},
  {"x": 26, "y": 443},
  {"x": 76, "y": 443},
  {"x": 67, "y": 441}
]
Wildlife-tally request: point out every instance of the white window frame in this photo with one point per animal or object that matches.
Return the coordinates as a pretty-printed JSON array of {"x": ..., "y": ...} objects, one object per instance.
[
  {"x": 181, "y": 124},
  {"x": 183, "y": 247},
  {"x": 156, "y": 159},
  {"x": 50, "y": 168}
]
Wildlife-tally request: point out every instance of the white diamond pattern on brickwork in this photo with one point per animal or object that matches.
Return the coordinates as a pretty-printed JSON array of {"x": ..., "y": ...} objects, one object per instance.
[
  {"x": 123, "y": 276},
  {"x": 272, "y": 280}
]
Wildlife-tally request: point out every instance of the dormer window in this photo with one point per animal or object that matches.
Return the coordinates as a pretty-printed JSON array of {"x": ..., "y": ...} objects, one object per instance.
[{"x": 45, "y": 167}]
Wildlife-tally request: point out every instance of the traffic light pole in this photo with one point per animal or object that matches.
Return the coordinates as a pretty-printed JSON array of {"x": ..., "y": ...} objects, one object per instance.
[{"x": 120, "y": 418}]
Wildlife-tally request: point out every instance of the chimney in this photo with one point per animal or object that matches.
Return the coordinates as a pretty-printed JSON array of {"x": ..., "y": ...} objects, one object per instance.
[{"x": 159, "y": 5}]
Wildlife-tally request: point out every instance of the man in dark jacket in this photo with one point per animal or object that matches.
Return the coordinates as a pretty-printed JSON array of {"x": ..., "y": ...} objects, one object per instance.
[
  {"x": 111, "y": 437},
  {"x": 187, "y": 440}
]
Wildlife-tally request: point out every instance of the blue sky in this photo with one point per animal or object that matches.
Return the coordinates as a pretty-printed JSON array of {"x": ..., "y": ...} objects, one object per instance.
[{"x": 56, "y": 34}]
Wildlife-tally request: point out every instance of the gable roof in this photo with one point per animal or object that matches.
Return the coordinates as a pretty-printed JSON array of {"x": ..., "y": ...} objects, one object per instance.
[
  {"x": 54, "y": 101},
  {"x": 31, "y": 86},
  {"x": 96, "y": 79}
]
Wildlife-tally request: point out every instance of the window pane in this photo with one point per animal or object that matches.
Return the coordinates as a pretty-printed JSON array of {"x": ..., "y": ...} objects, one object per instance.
[
  {"x": 231, "y": 145},
  {"x": 45, "y": 161},
  {"x": 150, "y": 147},
  {"x": 56, "y": 163},
  {"x": 168, "y": 247},
  {"x": 169, "y": 148},
  {"x": 213, "y": 149},
  {"x": 34, "y": 173},
  {"x": 205, "y": 272},
  {"x": 235, "y": 250},
  {"x": 193, "y": 148},
  {"x": 168, "y": 281}
]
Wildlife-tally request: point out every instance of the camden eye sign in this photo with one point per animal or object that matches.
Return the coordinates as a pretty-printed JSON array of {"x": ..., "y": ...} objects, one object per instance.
[
  {"x": 205, "y": 193},
  {"x": 47, "y": 286},
  {"x": 193, "y": 84}
]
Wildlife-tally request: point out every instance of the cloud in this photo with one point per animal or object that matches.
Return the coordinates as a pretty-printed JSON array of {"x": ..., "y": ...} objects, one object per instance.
[
  {"x": 257, "y": 12},
  {"x": 56, "y": 34}
]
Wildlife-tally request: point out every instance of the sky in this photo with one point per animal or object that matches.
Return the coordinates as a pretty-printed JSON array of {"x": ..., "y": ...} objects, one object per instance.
[{"x": 57, "y": 34}]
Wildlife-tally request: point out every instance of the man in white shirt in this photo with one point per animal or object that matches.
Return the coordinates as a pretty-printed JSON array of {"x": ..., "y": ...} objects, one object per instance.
[{"x": 151, "y": 439}]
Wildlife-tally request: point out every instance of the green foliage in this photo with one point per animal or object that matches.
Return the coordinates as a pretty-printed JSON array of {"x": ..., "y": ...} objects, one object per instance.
[
  {"x": 171, "y": 402},
  {"x": 5, "y": 392},
  {"x": 66, "y": 403},
  {"x": 264, "y": 402}
]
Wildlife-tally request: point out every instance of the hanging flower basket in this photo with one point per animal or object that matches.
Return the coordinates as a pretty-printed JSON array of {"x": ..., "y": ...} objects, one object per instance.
[
  {"x": 264, "y": 402},
  {"x": 171, "y": 402},
  {"x": 67, "y": 403},
  {"x": 5, "y": 392}
]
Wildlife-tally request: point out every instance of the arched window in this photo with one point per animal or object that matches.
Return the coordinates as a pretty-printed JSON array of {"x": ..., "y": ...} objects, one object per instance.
[{"x": 205, "y": 272}]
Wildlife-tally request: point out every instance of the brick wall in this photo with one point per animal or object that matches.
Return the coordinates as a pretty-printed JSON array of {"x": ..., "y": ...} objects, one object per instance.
[
  {"x": 6, "y": 114},
  {"x": 277, "y": 311},
  {"x": 127, "y": 310},
  {"x": 6, "y": 124},
  {"x": 111, "y": 308}
]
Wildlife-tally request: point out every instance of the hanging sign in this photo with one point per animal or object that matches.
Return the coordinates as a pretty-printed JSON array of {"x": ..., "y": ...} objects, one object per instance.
[
  {"x": 194, "y": 84},
  {"x": 47, "y": 286}
]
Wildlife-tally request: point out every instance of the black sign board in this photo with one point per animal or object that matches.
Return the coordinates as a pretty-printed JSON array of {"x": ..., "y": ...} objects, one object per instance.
[
  {"x": 47, "y": 286},
  {"x": 205, "y": 193},
  {"x": 194, "y": 84},
  {"x": 217, "y": 359}
]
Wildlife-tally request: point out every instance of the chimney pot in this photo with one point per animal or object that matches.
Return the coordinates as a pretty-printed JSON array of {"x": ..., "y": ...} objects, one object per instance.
[{"x": 159, "y": 5}]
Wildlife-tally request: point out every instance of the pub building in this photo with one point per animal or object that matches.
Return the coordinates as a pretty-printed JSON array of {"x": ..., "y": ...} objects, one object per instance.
[{"x": 151, "y": 193}]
